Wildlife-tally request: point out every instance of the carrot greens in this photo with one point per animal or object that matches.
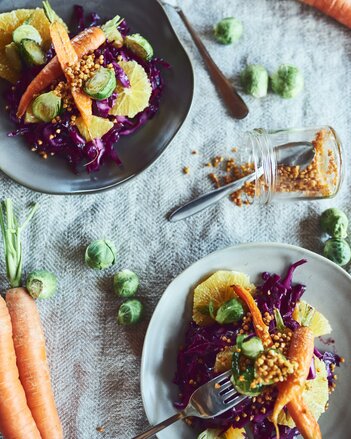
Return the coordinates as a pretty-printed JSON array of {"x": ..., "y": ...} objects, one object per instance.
[{"x": 11, "y": 232}]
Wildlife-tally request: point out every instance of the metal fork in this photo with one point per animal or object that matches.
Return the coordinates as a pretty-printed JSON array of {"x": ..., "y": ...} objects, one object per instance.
[
  {"x": 210, "y": 400},
  {"x": 233, "y": 101}
]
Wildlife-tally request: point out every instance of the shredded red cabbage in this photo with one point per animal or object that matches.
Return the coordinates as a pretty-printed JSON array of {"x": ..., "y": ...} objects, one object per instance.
[
  {"x": 102, "y": 108},
  {"x": 63, "y": 139},
  {"x": 331, "y": 360},
  {"x": 196, "y": 359},
  {"x": 281, "y": 294},
  {"x": 266, "y": 430}
]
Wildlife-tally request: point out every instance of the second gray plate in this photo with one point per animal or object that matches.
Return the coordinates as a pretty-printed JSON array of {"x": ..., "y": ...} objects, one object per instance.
[{"x": 138, "y": 151}]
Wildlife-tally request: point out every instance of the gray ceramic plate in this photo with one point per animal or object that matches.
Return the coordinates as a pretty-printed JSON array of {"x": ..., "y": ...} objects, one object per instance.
[
  {"x": 328, "y": 287},
  {"x": 137, "y": 151}
]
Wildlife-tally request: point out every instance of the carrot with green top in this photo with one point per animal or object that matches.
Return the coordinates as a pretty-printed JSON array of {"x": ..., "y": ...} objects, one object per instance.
[
  {"x": 87, "y": 41},
  {"x": 28, "y": 340}
]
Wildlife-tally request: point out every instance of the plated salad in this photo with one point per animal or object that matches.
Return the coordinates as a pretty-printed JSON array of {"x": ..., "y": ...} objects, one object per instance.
[
  {"x": 266, "y": 335},
  {"x": 76, "y": 92}
]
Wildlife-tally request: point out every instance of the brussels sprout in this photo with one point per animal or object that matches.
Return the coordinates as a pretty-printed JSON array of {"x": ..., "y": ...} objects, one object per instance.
[
  {"x": 287, "y": 81},
  {"x": 254, "y": 79},
  {"x": 100, "y": 254},
  {"x": 210, "y": 433},
  {"x": 230, "y": 312},
  {"x": 338, "y": 251},
  {"x": 243, "y": 380},
  {"x": 140, "y": 46},
  {"x": 228, "y": 30},
  {"x": 252, "y": 348},
  {"x": 41, "y": 284},
  {"x": 334, "y": 222},
  {"x": 125, "y": 283},
  {"x": 130, "y": 312}
]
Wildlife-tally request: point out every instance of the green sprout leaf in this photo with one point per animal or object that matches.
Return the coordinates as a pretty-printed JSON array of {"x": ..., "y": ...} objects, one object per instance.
[
  {"x": 279, "y": 320},
  {"x": 11, "y": 233}
]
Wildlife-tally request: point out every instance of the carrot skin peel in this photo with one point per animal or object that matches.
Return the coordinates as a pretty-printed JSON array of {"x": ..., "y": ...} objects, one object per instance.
[
  {"x": 261, "y": 328},
  {"x": 16, "y": 420},
  {"x": 304, "y": 419},
  {"x": 29, "y": 344},
  {"x": 340, "y": 10},
  {"x": 88, "y": 40}
]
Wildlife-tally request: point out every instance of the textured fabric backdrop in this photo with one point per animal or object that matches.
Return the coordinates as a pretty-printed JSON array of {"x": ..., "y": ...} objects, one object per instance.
[{"x": 95, "y": 364}]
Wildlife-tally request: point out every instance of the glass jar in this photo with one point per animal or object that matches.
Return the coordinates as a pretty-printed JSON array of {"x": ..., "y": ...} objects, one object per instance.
[{"x": 259, "y": 151}]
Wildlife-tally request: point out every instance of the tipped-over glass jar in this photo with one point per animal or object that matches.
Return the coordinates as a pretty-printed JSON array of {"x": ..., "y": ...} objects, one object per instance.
[{"x": 260, "y": 150}]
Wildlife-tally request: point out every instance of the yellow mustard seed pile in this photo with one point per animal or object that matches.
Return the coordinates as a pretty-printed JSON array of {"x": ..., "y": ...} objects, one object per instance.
[
  {"x": 63, "y": 90},
  {"x": 77, "y": 73},
  {"x": 319, "y": 179},
  {"x": 83, "y": 70},
  {"x": 273, "y": 368},
  {"x": 316, "y": 179},
  {"x": 231, "y": 171}
]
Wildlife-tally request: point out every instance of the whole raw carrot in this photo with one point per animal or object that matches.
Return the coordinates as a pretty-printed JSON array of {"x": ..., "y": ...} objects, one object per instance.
[
  {"x": 301, "y": 353},
  {"x": 16, "y": 420},
  {"x": 29, "y": 343},
  {"x": 304, "y": 419},
  {"x": 338, "y": 9},
  {"x": 88, "y": 40}
]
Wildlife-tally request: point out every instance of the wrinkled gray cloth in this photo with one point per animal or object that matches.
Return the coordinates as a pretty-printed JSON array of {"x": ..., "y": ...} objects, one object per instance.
[{"x": 95, "y": 364}]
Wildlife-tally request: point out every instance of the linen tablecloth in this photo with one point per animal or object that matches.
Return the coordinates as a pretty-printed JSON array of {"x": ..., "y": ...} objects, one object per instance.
[{"x": 94, "y": 362}]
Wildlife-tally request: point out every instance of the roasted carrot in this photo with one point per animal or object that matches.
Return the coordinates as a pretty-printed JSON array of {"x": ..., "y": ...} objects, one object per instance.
[
  {"x": 16, "y": 420},
  {"x": 301, "y": 353},
  {"x": 88, "y": 40},
  {"x": 67, "y": 57},
  {"x": 340, "y": 10},
  {"x": 261, "y": 328},
  {"x": 304, "y": 419},
  {"x": 29, "y": 343}
]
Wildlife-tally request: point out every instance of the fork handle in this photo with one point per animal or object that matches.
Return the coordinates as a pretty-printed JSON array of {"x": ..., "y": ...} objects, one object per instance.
[
  {"x": 161, "y": 426},
  {"x": 233, "y": 101}
]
